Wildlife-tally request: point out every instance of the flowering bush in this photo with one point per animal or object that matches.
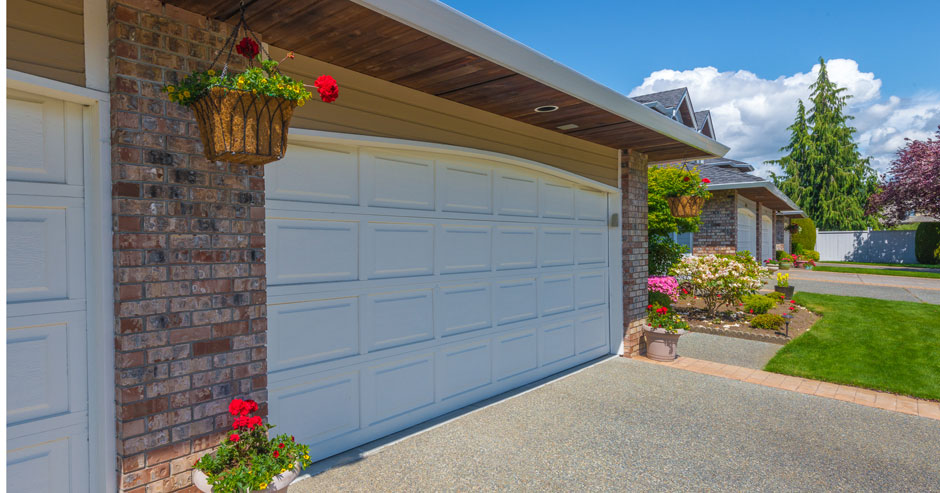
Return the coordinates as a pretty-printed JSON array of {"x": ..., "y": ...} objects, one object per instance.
[
  {"x": 721, "y": 280},
  {"x": 247, "y": 459},
  {"x": 664, "y": 284},
  {"x": 783, "y": 280},
  {"x": 660, "y": 317}
]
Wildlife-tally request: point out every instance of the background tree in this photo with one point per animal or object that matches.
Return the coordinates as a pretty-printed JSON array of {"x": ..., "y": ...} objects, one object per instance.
[
  {"x": 824, "y": 173},
  {"x": 914, "y": 183}
]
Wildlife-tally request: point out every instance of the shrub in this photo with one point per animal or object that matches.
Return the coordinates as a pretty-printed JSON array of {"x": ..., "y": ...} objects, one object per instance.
[
  {"x": 663, "y": 254},
  {"x": 779, "y": 254},
  {"x": 811, "y": 255},
  {"x": 756, "y": 303},
  {"x": 767, "y": 321},
  {"x": 807, "y": 235},
  {"x": 776, "y": 296},
  {"x": 721, "y": 280},
  {"x": 664, "y": 284},
  {"x": 661, "y": 299},
  {"x": 927, "y": 243},
  {"x": 796, "y": 248}
]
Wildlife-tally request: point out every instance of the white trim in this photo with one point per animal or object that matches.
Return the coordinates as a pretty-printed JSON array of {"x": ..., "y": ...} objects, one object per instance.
[
  {"x": 449, "y": 25},
  {"x": 95, "y": 17},
  {"x": 99, "y": 278},
  {"x": 759, "y": 184},
  {"x": 317, "y": 136},
  {"x": 615, "y": 273}
]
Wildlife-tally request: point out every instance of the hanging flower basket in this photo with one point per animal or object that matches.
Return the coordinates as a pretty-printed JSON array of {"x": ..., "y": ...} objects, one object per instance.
[
  {"x": 793, "y": 229},
  {"x": 244, "y": 117},
  {"x": 685, "y": 205}
]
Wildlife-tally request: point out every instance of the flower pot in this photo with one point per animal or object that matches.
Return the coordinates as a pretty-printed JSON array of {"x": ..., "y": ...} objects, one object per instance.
[
  {"x": 685, "y": 205},
  {"x": 278, "y": 485},
  {"x": 661, "y": 345},
  {"x": 785, "y": 265},
  {"x": 786, "y": 290},
  {"x": 241, "y": 127}
]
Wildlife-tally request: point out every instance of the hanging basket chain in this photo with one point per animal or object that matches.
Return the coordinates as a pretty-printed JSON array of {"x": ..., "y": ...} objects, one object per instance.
[{"x": 230, "y": 42}]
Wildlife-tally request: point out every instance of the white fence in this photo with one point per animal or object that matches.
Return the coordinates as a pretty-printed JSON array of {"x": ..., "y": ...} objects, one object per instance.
[{"x": 866, "y": 246}]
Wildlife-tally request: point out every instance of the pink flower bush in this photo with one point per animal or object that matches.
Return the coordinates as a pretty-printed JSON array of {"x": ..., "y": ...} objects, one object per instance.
[{"x": 664, "y": 284}]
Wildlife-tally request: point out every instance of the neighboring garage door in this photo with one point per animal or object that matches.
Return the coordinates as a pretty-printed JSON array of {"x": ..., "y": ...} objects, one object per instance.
[
  {"x": 747, "y": 226},
  {"x": 47, "y": 403},
  {"x": 766, "y": 236},
  {"x": 403, "y": 285}
]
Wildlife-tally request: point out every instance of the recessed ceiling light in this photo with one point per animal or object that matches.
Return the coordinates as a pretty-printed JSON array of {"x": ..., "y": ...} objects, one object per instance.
[
  {"x": 546, "y": 109},
  {"x": 567, "y": 126}
]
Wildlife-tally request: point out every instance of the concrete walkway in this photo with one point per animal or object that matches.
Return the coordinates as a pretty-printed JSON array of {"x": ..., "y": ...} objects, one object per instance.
[
  {"x": 627, "y": 425},
  {"x": 727, "y": 350},
  {"x": 916, "y": 289}
]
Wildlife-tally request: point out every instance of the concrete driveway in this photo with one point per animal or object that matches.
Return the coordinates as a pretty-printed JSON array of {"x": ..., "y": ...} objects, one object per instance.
[
  {"x": 624, "y": 425},
  {"x": 916, "y": 289}
]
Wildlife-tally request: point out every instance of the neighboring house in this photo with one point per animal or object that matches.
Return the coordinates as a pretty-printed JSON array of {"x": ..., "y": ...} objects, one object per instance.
[
  {"x": 430, "y": 239},
  {"x": 677, "y": 105}
]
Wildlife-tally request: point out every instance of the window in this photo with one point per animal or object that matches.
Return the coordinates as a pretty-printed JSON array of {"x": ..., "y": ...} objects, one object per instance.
[{"x": 683, "y": 239}]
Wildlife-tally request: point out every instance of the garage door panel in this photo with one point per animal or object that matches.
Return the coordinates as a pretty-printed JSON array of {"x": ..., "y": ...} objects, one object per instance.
[
  {"x": 591, "y": 289},
  {"x": 398, "y": 387},
  {"x": 516, "y": 194},
  {"x": 37, "y": 249},
  {"x": 515, "y": 247},
  {"x": 291, "y": 241},
  {"x": 516, "y": 300},
  {"x": 556, "y": 199},
  {"x": 591, "y": 332},
  {"x": 556, "y": 294},
  {"x": 45, "y": 141},
  {"x": 465, "y": 248},
  {"x": 313, "y": 331},
  {"x": 463, "y": 368},
  {"x": 591, "y": 246},
  {"x": 463, "y": 308},
  {"x": 556, "y": 246},
  {"x": 591, "y": 205},
  {"x": 400, "y": 250},
  {"x": 556, "y": 342},
  {"x": 465, "y": 188},
  {"x": 327, "y": 175},
  {"x": 54, "y": 461},
  {"x": 338, "y": 418},
  {"x": 397, "y": 319},
  {"x": 515, "y": 353},
  {"x": 400, "y": 181}
]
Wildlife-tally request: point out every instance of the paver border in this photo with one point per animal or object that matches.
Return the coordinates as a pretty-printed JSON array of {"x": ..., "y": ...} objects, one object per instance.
[{"x": 864, "y": 397}]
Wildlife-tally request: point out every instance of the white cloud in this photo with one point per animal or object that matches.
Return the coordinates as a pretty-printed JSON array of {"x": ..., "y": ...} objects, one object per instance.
[{"x": 751, "y": 114}]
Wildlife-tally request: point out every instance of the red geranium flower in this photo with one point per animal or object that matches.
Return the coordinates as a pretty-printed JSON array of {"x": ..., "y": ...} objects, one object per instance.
[
  {"x": 686, "y": 178},
  {"x": 276, "y": 454},
  {"x": 649, "y": 307},
  {"x": 292, "y": 438},
  {"x": 706, "y": 180},
  {"x": 792, "y": 302},
  {"x": 236, "y": 406},
  {"x": 234, "y": 437},
  {"x": 248, "y": 48},
  {"x": 280, "y": 446},
  {"x": 792, "y": 307},
  {"x": 327, "y": 88},
  {"x": 251, "y": 406}
]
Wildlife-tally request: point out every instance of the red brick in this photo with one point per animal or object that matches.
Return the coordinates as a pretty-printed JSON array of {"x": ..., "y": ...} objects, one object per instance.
[{"x": 211, "y": 347}]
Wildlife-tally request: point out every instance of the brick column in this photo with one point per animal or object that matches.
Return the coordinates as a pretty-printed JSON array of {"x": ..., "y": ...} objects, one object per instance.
[
  {"x": 635, "y": 250},
  {"x": 188, "y": 256}
]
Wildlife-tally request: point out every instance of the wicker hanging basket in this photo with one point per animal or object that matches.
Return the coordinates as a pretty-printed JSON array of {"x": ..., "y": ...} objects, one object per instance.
[
  {"x": 685, "y": 205},
  {"x": 793, "y": 229},
  {"x": 241, "y": 127}
]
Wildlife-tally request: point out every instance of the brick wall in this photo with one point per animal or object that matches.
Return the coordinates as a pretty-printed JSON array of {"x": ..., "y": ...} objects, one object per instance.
[
  {"x": 635, "y": 250},
  {"x": 718, "y": 231},
  {"x": 188, "y": 256}
]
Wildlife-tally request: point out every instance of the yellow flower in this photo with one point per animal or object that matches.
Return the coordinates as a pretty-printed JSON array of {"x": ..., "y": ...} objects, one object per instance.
[
  {"x": 262, "y": 486},
  {"x": 300, "y": 102},
  {"x": 283, "y": 471},
  {"x": 170, "y": 89},
  {"x": 306, "y": 456},
  {"x": 211, "y": 72},
  {"x": 241, "y": 79},
  {"x": 185, "y": 94},
  {"x": 254, "y": 91}
]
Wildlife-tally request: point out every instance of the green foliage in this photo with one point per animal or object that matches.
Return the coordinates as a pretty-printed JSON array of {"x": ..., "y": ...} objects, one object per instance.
[
  {"x": 756, "y": 303},
  {"x": 664, "y": 181},
  {"x": 661, "y": 299},
  {"x": 779, "y": 254},
  {"x": 807, "y": 235},
  {"x": 796, "y": 247},
  {"x": 663, "y": 254},
  {"x": 661, "y": 317},
  {"x": 823, "y": 171},
  {"x": 927, "y": 243},
  {"x": 882, "y": 272},
  {"x": 811, "y": 255},
  {"x": 767, "y": 321},
  {"x": 776, "y": 296},
  {"x": 264, "y": 79}
]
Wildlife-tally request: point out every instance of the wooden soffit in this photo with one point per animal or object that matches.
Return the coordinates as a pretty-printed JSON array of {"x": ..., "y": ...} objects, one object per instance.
[{"x": 347, "y": 34}]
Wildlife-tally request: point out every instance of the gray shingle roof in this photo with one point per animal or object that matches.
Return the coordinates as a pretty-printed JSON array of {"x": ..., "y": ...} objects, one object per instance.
[
  {"x": 727, "y": 171},
  {"x": 700, "y": 117},
  {"x": 669, "y": 99}
]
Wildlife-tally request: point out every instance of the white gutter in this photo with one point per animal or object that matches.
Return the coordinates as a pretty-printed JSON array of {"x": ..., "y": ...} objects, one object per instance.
[
  {"x": 449, "y": 25},
  {"x": 757, "y": 184}
]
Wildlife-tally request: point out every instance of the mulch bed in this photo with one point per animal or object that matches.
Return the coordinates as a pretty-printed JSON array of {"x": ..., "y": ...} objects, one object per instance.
[{"x": 735, "y": 323}]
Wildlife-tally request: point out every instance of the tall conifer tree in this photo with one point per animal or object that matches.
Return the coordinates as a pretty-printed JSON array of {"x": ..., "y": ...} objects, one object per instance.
[{"x": 824, "y": 173}]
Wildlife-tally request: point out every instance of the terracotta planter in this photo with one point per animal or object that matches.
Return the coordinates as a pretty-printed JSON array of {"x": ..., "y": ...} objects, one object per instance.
[
  {"x": 685, "y": 205},
  {"x": 279, "y": 485},
  {"x": 241, "y": 127},
  {"x": 786, "y": 290},
  {"x": 661, "y": 345}
]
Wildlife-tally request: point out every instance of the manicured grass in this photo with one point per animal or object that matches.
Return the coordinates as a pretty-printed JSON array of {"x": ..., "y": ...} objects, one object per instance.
[
  {"x": 877, "y": 272},
  {"x": 923, "y": 266},
  {"x": 877, "y": 344}
]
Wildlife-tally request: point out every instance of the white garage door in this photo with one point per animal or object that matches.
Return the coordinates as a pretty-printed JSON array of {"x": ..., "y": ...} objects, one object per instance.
[
  {"x": 747, "y": 226},
  {"x": 47, "y": 416},
  {"x": 766, "y": 236},
  {"x": 404, "y": 285}
]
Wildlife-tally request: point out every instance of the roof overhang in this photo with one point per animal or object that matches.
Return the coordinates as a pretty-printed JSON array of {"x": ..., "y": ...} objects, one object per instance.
[
  {"x": 764, "y": 192},
  {"x": 428, "y": 46}
]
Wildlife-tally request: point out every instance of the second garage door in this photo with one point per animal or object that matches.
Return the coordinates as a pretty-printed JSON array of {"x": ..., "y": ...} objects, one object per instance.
[
  {"x": 403, "y": 285},
  {"x": 747, "y": 226}
]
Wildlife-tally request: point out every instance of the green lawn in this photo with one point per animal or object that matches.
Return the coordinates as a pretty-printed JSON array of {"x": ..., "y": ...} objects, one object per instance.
[
  {"x": 878, "y": 272},
  {"x": 877, "y": 344},
  {"x": 923, "y": 266}
]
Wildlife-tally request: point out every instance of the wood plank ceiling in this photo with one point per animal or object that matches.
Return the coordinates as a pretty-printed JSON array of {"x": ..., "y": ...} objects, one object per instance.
[{"x": 346, "y": 34}]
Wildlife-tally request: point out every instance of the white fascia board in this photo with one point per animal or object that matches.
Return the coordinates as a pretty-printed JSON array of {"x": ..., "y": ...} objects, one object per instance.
[
  {"x": 449, "y": 25},
  {"x": 756, "y": 184}
]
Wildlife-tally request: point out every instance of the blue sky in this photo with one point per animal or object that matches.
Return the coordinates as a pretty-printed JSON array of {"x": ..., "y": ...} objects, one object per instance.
[{"x": 644, "y": 46}]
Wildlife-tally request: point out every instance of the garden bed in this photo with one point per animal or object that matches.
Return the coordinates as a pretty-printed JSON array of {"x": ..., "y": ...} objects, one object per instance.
[{"x": 736, "y": 323}]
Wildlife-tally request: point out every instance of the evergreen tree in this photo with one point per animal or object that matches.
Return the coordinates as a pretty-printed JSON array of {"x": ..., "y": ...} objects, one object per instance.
[{"x": 823, "y": 171}]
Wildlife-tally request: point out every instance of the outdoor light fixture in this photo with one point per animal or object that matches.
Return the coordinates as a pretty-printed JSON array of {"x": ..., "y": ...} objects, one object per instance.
[
  {"x": 546, "y": 109},
  {"x": 787, "y": 319}
]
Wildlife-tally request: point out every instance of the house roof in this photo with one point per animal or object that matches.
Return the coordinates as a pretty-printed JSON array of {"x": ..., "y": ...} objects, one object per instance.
[
  {"x": 669, "y": 99},
  {"x": 701, "y": 117},
  {"x": 430, "y": 47},
  {"x": 730, "y": 174}
]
